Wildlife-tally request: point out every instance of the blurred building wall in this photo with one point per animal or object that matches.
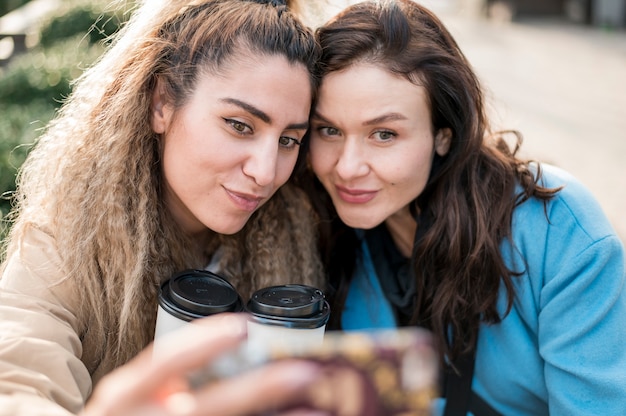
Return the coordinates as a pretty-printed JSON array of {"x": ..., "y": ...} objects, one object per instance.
[{"x": 605, "y": 13}]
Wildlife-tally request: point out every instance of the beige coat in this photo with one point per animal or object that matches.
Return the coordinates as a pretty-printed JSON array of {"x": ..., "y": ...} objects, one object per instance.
[{"x": 42, "y": 357}]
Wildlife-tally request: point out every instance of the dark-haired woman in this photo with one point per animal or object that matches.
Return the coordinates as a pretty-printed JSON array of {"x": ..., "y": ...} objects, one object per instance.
[{"x": 430, "y": 219}]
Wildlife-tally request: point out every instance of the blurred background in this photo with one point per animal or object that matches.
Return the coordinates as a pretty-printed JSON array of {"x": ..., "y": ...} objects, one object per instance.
[
  {"x": 44, "y": 44},
  {"x": 553, "y": 69}
]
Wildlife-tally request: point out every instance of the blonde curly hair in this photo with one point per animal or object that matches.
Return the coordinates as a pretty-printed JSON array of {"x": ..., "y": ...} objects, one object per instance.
[{"x": 93, "y": 180}]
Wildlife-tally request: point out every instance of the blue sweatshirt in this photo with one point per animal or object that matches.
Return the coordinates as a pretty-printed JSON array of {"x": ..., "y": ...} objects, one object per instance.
[{"x": 562, "y": 348}]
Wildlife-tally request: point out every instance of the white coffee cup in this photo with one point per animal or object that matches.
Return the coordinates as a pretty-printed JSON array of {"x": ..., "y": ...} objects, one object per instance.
[
  {"x": 291, "y": 318},
  {"x": 193, "y": 294}
]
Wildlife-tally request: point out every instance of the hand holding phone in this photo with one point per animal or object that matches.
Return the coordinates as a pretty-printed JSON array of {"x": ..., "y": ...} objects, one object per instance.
[{"x": 373, "y": 373}]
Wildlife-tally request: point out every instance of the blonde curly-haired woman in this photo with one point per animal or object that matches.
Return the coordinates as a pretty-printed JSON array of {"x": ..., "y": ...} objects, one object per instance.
[{"x": 177, "y": 143}]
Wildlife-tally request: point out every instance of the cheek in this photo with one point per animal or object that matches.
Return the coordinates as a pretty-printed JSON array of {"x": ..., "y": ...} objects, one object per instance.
[
  {"x": 321, "y": 157},
  {"x": 285, "y": 168},
  {"x": 177, "y": 157},
  {"x": 422, "y": 173},
  {"x": 170, "y": 158},
  {"x": 406, "y": 171}
]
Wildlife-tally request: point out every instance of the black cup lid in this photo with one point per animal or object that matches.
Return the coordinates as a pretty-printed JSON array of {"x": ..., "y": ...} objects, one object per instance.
[
  {"x": 197, "y": 293},
  {"x": 294, "y": 301}
]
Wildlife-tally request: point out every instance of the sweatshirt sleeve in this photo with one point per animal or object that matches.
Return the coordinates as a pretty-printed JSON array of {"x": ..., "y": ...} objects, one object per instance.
[
  {"x": 40, "y": 368},
  {"x": 582, "y": 309},
  {"x": 582, "y": 332},
  {"x": 560, "y": 349}
]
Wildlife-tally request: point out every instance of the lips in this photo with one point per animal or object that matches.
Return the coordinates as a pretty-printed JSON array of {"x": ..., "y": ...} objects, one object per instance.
[
  {"x": 355, "y": 196},
  {"x": 244, "y": 201}
]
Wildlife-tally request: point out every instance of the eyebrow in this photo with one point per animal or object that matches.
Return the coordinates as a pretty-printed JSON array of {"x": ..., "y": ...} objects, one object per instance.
[
  {"x": 258, "y": 113},
  {"x": 383, "y": 118},
  {"x": 373, "y": 121},
  {"x": 320, "y": 117}
]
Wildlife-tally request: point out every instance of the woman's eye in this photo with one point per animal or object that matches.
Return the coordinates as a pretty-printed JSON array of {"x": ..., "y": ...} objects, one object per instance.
[
  {"x": 384, "y": 135},
  {"x": 328, "y": 131},
  {"x": 288, "y": 142},
  {"x": 238, "y": 126}
]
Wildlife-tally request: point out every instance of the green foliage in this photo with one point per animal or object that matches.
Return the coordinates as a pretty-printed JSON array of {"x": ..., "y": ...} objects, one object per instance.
[
  {"x": 18, "y": 130},
  {"x": 35, "y": 84},
  {"x": 45, "y": 73},
  {"x": 87, "y": 20}
]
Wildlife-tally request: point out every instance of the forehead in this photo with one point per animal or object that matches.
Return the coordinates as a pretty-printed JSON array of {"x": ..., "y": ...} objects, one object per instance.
[
  {"x": 268, "y": 82},
  {"x": 370, "y": 89}
]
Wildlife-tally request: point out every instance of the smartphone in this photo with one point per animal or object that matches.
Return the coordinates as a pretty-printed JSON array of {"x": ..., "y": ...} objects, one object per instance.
[{"x": 368, "y": 373}]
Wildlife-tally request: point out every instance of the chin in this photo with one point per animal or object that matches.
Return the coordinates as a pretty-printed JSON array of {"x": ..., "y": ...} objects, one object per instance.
[
  {"x": 229, "y": 229},
  {"x": 362, "y": 223}
]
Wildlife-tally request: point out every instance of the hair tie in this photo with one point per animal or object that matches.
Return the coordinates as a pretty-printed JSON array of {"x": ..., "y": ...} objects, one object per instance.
[
  {"x": 275, "y": 3},
  {"x": 280, "y": 5}
]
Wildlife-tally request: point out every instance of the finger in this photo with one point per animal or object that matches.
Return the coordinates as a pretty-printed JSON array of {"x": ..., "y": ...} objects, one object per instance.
[
  {"x": 180, "y": 352},
  {"x": 304, "y": 412},
  {"x": 218, "y": 332},
  {"x": 192, "y": 347},
  {"x": 270, "y": 387}
]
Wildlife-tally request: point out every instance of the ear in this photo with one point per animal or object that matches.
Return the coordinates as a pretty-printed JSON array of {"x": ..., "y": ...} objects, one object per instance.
[
  {"x": 161, "y": 110},
  {"x": 443, "y": 139}
]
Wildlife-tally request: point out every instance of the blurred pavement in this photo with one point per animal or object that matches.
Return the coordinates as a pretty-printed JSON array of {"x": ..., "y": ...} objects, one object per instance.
[{"x": 562, "y": 85}]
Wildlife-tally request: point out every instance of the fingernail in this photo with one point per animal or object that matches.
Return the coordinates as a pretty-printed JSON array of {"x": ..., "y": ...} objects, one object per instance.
[{"x": 180, "y": 404}]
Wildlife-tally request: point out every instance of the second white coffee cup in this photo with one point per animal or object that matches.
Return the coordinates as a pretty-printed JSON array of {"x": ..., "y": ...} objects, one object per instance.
[{"x": 291, "y": 318}]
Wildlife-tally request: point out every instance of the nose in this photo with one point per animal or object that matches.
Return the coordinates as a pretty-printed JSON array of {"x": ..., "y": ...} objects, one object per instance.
[
  {"x": 261, "y": 163},
  {"x": 352, "y": 162}
]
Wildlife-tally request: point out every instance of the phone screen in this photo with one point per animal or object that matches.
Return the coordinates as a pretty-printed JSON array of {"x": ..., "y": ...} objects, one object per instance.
[{"x": 369, "y": 373}]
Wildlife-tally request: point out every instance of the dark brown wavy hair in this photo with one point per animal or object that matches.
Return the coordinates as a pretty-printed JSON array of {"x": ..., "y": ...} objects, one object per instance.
[{"x": 465, "y": 210}]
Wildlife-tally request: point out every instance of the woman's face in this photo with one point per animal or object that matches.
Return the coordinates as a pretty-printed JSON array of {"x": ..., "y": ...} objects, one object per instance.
[
  {"x": 233, "y": 143},
  {"x": 372, "y": 144}
]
